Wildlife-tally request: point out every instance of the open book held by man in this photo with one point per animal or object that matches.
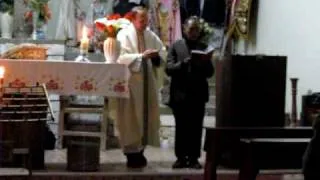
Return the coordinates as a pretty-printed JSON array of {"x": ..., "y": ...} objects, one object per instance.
[{"x": 203, "y": 55}]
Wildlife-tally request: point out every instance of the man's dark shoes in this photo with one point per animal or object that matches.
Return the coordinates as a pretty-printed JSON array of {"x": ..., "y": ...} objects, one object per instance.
[
  {"x": 136, "y": 160},
  {"x": 194, "y": 164},
  {"x": 142, "y": 161},
  {"x": 180, "y": 163}
]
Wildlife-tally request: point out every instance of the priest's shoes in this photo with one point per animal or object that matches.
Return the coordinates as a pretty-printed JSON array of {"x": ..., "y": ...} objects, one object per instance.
[{"x": 136, "y": 160}]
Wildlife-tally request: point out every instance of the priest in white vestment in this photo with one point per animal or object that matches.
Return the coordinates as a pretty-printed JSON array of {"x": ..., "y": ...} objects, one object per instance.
[{"x": 138, "y": 44}]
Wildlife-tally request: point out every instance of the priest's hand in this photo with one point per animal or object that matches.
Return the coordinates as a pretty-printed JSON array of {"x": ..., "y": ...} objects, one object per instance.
[{"x": 150, "y": 53}]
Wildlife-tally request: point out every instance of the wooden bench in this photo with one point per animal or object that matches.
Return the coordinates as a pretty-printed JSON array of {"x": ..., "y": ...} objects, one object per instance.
[{"x": 254, "y": 149}]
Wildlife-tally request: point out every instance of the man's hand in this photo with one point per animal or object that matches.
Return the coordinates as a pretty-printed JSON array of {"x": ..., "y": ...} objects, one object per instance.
[{"x": 150, "y": 53}]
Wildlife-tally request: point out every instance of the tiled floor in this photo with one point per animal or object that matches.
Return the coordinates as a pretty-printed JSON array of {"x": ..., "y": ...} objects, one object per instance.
[
  {"x": 163, "y": 156},
  {"x": 160, "y": 161},
  {"x": 167, "y": 129}
]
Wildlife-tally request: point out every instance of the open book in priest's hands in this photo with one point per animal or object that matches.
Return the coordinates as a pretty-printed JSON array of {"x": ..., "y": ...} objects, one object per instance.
[{"x": 202, "y": 54}]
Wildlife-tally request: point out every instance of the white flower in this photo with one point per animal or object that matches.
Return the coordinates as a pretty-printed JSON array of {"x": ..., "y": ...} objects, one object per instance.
[{"x": 121, "y": 22}]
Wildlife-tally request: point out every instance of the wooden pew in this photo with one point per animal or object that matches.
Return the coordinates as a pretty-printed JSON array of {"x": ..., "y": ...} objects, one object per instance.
[
  {"x": 24, "y": 112},
  {"x": 253, "y": 149}
]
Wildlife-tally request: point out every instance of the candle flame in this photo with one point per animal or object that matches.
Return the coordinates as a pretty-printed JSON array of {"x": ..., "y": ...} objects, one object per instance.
[
  {"x": 84, "y": 33},
  {"x": 2, "y": 71}
]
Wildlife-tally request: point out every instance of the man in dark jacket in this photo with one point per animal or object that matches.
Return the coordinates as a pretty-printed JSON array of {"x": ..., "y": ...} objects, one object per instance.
[{"x": 188, "y": 93}]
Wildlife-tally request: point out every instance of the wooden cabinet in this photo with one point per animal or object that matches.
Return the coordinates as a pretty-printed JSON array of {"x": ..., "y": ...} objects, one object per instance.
[{"x": 251, "y": 91}]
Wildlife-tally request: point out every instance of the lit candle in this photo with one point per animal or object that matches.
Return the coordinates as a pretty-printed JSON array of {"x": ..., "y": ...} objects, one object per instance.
[
  {"x": 2, "y": 70},
  {"x": 84, "y": 46}
]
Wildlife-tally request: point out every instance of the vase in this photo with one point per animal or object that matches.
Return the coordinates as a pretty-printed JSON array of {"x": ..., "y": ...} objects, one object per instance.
[
  {"x": 6, "y": 25},
  {"x": 111, "y": 48},
  {"x": 39, "y": 27}
]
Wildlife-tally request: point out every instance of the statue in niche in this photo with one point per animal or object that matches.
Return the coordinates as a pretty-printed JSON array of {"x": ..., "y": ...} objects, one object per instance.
[
  {"x": 66, "y": 28},
  {"x": 73, "y": 16},
  {"x": 165, "y": 20}
]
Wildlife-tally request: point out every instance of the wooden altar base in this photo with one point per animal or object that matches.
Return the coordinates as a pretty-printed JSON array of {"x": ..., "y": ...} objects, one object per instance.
[{"x": 159, "y": 168}]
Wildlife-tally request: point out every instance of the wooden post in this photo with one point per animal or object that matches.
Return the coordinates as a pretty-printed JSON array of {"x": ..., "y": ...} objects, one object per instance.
[
  {"x": 145, "y": 102},
  {"x": 104, "y": 124},
  {"x": 294, "y": 120},
  {"x": 63, "y": 104}
]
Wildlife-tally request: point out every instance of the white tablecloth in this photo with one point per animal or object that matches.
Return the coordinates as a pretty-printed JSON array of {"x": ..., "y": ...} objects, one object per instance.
[{"x": 69, "y": 78}]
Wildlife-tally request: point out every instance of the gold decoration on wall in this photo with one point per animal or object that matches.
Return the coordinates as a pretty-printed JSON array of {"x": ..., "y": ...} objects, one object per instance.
[{"x": 240, "y": 22}]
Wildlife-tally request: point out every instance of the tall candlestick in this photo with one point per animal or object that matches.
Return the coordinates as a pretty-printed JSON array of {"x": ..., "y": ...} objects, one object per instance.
[
  {"x": 294, "y": 101},
  {"x": 2, "y": 71},
  {"x": 84, "y": 46}
]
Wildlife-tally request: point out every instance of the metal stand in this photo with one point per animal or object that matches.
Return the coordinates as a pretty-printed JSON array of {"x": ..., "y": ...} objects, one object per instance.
[
  {"x": 294, "y": 120},
  {"x": 146, "y": 102},
  {"x": 83, "y": 57}
]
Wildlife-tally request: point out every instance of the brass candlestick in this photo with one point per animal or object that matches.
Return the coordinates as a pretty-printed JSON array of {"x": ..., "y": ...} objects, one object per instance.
[
  {"x": 294, "y": 120},
  {"x": 83, "y": 57},
  {"x": 84, "y": 47}
]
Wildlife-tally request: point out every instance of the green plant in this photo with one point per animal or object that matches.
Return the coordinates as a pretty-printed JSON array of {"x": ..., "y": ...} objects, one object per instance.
[
  {"x": 40, "y": 6},
  {"x": 7, "y": 6},
  {"x": 36, "y": 5}
]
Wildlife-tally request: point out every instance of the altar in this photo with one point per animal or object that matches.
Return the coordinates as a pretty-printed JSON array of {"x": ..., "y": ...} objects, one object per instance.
[
  {"x": 65, "y": 79},
  {"x": 68, "y": 78}
]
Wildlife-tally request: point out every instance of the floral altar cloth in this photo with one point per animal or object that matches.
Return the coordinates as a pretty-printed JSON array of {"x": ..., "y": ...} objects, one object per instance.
[{"x": 68, "y": 78}]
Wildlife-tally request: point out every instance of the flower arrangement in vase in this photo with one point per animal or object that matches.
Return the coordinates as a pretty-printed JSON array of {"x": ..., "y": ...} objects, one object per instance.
[
  {"x": 39, "y": 14},
  {"x": 6, "y": 18},
  {"x": 109, "y": 26},
  {"x": 207, "y": 31}
]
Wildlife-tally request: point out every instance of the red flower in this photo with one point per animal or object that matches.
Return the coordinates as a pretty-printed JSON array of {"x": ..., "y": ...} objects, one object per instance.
[
  {"x": 113, "y": 16},
  {"x": 17, "y": 84},
  {"x": 111, "y": 31},
  {"x": 119, "y": 88},
  {"x": 28, "y": 15},
  {"x": 86, "y": 86},
  {"x": 52, "y": 85},
  {"x": 100, "y": 26}
]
